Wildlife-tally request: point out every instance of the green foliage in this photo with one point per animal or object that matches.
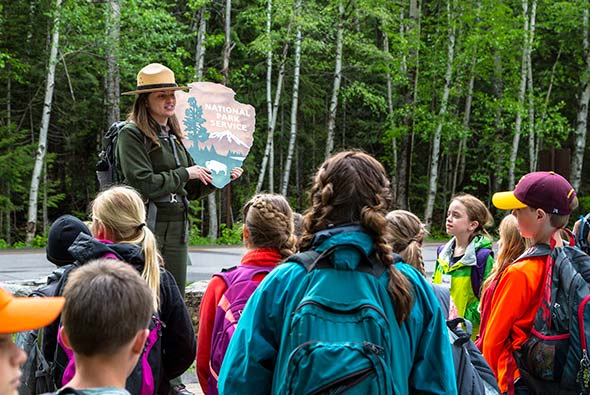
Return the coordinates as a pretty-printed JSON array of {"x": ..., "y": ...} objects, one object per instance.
[
  {"x": 230, "y": 236},
  {"x": 488, "y": 47}
]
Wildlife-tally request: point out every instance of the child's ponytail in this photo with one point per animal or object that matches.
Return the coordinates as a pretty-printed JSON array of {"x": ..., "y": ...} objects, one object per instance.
[{"x": 151, "y": 267}]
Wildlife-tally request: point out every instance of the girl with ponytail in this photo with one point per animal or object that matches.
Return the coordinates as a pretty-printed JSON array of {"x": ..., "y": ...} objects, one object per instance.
[
  {"x": 119, "y": 232},
  {"x": 277, "y": 347}
]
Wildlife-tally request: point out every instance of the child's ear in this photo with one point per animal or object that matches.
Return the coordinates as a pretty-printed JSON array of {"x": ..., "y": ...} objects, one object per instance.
[
  {"x": 245, "y": 234},
  {"x": 473, "y": 226},
  {"x": 64, "y": 337},
  {"x": 139, "y": 341},
  {"x": 541, "y": 214}
]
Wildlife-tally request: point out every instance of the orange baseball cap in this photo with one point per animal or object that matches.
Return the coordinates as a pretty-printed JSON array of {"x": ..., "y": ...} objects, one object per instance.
[{"x": 21, "y": 313}]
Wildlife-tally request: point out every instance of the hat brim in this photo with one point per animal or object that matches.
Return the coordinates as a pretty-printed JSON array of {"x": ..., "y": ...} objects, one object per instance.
[
  {"x": 507, "y": 201},
  {"x": 139, "y": 91},
  {"x": 22, "y": 314}
]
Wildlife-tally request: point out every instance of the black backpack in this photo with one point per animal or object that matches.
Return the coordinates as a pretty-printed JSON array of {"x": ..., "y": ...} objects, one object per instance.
[
  {"x": 554, "y": 360},
  {"x": 106, "y": 167},
  {"x": 38, "y": 370},
  {"x": 473, "y": 374},
  {"x": 582, "y": 236}
]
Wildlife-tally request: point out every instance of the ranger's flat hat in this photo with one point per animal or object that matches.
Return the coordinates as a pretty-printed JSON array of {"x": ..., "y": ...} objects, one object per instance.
[{"x": 155, "y": 77}]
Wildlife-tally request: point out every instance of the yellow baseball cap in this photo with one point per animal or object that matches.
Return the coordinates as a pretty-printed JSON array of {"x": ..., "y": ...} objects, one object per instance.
[{"x": 21, "y": 313}]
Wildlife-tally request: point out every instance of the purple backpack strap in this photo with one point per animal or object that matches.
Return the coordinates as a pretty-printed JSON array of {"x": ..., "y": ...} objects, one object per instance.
[
  {"x": 240, "y": 286},
  {"x": 478, "y": 271}
]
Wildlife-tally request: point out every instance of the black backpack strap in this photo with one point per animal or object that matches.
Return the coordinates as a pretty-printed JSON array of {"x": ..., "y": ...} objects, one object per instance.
[{"x": 306, "y": 259}]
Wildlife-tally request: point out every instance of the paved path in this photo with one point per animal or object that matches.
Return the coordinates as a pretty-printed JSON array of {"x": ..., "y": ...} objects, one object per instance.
[{"x": 21, "y": 265}]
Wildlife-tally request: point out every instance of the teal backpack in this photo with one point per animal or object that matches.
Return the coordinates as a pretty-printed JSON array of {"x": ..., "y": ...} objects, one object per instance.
[{"x": 338, "y": 340}]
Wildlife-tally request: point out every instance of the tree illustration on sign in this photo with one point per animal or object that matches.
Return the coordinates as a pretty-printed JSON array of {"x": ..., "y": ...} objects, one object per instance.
[{"x": 194, "y": 121}]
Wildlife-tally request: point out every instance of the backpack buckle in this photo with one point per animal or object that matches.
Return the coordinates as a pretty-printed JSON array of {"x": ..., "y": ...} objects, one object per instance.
[{"x": 173, "y": 198}]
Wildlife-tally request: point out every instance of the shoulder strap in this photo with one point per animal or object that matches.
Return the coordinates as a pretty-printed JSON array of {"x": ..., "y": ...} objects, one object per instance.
[
  {"x": 443, "y": 295},
  {"x": 69, "y": 390},
  {"x": 306, "y": 259},
  {"x": 477, "y": 273}
]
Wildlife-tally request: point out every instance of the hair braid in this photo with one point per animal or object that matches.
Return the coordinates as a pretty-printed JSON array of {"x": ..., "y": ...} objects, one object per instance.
[
  {"x": 353, "y": 187},
  {"x": 269, "y": 220}
]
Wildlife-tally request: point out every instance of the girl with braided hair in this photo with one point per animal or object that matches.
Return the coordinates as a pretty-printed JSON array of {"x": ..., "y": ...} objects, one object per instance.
[
  {"x": 269, "y": 237},
  {"x": 318, "y": 302}
]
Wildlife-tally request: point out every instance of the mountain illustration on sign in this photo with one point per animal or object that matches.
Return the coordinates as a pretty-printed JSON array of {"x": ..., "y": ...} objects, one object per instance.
[{"x": 194, "y": 120}]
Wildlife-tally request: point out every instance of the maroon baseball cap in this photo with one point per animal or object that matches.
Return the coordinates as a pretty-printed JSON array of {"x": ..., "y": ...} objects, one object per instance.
[{"x": 543, "y": 189}]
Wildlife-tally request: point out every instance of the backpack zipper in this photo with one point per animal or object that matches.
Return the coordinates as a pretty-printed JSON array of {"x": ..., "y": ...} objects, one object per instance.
[{"x": 337, "y": 311}]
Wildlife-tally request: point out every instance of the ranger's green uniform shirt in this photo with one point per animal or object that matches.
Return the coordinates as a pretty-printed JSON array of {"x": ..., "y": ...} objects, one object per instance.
[{"x": 153, "y": 171}]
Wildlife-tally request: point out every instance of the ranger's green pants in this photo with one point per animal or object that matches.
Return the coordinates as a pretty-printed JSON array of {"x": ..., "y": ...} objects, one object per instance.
[{"x": 173, "y": 245}]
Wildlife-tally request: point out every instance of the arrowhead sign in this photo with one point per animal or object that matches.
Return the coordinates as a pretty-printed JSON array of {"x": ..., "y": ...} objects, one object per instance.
[{"x": 218, "y": 131}]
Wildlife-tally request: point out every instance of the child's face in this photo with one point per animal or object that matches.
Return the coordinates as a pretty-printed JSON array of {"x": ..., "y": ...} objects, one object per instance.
[
  {"x": 458, "y": 222},
  {"x": 528, "y": 226},
  {"x": 11, "y": 359}
]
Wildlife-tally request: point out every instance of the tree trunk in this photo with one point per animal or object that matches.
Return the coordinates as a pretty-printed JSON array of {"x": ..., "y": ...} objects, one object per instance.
[
  {"x": 228, "y": 45},
  {"x": 42, "y": 145},
  {"x": 457, "y": 173},
  {"x": 582, "y": 118},
  {"x": 521, "y": 92},
  {"x": 272, "y": 111},
  {"x": 294, "y": 104},
  {"x": 227, "y": 48},
  {"x": 337, "y": 79},
  {"x": 432, "y": 185},
  {"x": 409, "y": 67},
  {"x": 200, "y": 52},
  {"x": 533, "y": 138},
  {"x": 113, "y": 77},
  {"x": 390, "y": 114}
]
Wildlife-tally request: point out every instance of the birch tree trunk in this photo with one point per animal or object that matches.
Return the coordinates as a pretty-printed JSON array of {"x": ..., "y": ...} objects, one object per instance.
[
  {"x": 337, "y": 79},
  {"x": 295, "y": 102},
  {"x": 271, "y": 108},
  {"x": 42, "y": 145},
  {"x": 521, "y": 92},
  {"x": 200, "y": 52},
  {"x": 409, "y": 67},
  {"x": 432, "y": 185},
  {"x": 457, "y": 173},
  {"x": 200, "y": 62},
  {"x": 390, "y": 113},
  {"x": 582, "y": 117},
  {"x": 533, "y": 138},
  {"x": 113, "y": 77},
  {"x": 227, "y": 48}
]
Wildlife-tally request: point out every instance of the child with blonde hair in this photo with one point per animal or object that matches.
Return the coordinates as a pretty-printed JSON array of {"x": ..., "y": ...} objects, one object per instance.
[
  {"x": 120, "y": 232},
  {"x": 463, "y": 263},
  {"x": 511, "y": 245},
  {"x": 269, "y": 237},
  {"x": 408, "y": 234}
]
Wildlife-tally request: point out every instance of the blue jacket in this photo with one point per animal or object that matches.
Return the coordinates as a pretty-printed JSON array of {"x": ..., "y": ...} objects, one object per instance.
[{"x": 421, "y": 360}]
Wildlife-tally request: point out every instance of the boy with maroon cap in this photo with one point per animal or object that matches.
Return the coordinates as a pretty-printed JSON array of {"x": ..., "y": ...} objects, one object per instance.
[{"x": 541, "y": 203}]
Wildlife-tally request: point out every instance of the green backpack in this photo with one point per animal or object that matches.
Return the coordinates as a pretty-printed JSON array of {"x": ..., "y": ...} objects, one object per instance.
[{"x": 338, "y": 340}]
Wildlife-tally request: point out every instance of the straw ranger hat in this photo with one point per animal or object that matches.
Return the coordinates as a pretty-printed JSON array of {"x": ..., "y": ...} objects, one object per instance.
[{"x": 155, "y": 77}]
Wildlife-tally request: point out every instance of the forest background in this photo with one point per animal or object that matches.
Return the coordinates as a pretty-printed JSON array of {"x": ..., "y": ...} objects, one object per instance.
[{"x": 450, "y": 95}]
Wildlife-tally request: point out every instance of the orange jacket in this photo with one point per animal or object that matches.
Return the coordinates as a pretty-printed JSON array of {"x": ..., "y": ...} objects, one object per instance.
[
  {"x": 212, "y": 296},
  {"x": 514, "y": 305}
]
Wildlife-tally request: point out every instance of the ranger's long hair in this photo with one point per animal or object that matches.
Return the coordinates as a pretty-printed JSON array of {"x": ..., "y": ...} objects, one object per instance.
[
  {"x": 352, "y": 186},
  {"x": 140, "y": 116}
]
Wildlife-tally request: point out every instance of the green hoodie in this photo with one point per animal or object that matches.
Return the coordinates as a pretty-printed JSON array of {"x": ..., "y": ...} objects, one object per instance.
[{"x": 460, "y": 276}]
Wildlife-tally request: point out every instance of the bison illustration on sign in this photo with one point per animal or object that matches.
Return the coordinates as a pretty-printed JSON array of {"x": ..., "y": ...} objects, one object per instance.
[{"x": 218, "y": 130}]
